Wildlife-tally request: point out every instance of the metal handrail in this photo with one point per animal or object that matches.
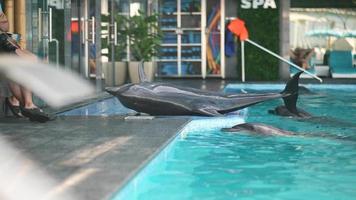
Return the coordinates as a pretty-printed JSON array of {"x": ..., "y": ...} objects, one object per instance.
[
  {"x": 273, "y": 54},
  {"x": 284, "y": 60}
]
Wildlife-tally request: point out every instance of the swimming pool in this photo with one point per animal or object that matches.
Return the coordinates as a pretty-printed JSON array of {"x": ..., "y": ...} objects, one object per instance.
[{"x": 204, "y": 163}]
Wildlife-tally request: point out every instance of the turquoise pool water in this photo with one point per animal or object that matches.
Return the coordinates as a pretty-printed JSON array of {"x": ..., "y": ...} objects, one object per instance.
[{"x": 204, "y": 163}]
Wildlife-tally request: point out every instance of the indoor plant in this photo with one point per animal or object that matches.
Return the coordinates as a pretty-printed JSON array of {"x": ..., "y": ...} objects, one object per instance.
[{"x": 144, "y": 38}]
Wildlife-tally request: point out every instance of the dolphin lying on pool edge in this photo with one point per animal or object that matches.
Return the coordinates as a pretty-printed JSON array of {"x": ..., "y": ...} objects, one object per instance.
[
  {"x": 167, "y": 99},
  {"x": 258, "y": 128}
]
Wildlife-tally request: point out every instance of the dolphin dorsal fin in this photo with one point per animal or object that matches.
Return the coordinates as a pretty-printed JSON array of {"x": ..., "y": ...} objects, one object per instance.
[
  {"x": 141, "y": 73},
  {"x": 291, "y": 93}
]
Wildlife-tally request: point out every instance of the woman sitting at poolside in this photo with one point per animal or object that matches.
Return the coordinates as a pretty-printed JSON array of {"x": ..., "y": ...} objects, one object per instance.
[{"x": 20, "y": 103}]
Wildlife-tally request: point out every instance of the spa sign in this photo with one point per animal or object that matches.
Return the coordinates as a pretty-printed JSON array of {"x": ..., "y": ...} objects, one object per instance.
[{"x": 255, "y": 4}]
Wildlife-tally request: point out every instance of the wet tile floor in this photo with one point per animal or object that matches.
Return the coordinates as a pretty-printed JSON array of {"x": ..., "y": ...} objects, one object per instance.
[{"x": 89, "y": 157}]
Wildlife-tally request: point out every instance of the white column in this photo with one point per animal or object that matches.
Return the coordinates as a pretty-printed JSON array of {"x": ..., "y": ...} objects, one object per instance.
[{"x": 222, "y": 39}]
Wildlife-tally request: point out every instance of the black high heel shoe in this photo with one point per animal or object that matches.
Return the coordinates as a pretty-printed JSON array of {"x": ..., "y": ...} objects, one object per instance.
[
  {"x": 15, "y": 110},
  {"x": 35, "y": 114}
]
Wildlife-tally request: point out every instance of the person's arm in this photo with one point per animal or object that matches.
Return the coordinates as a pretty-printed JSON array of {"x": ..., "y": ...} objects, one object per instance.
[{"x": 4, "y": 23}]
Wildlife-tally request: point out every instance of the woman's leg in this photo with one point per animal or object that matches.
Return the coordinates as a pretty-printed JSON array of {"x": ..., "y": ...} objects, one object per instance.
[
  {"x": 27, "y": 98},
  {"x": 16, "y": 97},
  {"x": 13, "y": 102},
  {"x": 20, "y": 94},
  {"x": 27, "y": 107}
]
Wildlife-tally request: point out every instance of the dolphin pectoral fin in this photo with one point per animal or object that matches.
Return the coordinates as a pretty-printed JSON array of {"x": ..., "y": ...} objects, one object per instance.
[{"x": 209, "y": 112}]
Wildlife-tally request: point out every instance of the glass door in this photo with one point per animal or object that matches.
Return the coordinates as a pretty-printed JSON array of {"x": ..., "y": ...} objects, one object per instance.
[
  {"x": 90, "y": 14},
  {"x": 67, "y": 33},
  {"x": 47, "y": 25},
  {"x": 85, "y": 34},
  {"x": 114, "y": 44}
]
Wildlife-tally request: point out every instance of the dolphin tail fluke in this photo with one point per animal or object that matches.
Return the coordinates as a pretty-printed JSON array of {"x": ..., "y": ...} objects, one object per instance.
[
  {"x": 290, "y": 93},
  {"x": 141, "y": 73}
]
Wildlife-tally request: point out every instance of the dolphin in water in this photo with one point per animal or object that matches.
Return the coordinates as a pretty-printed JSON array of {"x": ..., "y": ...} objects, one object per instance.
[
  {"x": 284, "y": 111},
  {"x": 290, "y": 108},
  {"x": 167, "y": 99},
  {"x": 258, "y": 128},
  {"x": 268, "y": 130},
  {"x": 303, "y": 116},
  {"x": 305, "y": 90}
]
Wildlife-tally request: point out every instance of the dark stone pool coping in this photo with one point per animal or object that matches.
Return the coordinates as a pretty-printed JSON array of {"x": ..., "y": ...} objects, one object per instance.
[{"x": 111, "y": 148}]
